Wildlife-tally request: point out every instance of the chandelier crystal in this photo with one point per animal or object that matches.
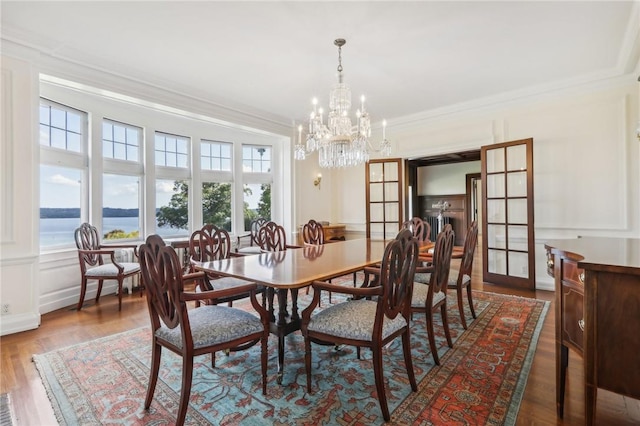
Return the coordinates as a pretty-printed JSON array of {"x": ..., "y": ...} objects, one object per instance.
[{"x": 339, "y": 143}]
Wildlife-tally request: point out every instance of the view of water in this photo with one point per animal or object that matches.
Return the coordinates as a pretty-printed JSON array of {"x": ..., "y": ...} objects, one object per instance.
[{"x": 58, "y": 232}]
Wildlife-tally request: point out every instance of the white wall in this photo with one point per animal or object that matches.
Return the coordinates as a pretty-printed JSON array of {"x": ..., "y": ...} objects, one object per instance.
[
  {"x": 445, "y": 179},
  {"x": 19, "y": 196}
]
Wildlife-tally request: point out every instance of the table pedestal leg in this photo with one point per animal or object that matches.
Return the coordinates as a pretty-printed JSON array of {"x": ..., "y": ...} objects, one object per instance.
[{"x": 281, "y": 326}]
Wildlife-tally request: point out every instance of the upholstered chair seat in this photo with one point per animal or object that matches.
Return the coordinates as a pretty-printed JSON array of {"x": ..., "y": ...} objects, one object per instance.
[
  {"x": 213, "y": 325},
  {"x": 354, "y": 320},
  {"x": 111, "y": 271}
]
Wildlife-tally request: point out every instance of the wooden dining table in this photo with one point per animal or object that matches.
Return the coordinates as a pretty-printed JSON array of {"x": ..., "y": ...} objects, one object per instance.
[{"x": 285, "y": 272}]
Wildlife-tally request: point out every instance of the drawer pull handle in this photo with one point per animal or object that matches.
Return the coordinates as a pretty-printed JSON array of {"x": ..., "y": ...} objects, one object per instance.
[
  {"x": 581, "y": 277},
  {"x": 581, "y": 324}
]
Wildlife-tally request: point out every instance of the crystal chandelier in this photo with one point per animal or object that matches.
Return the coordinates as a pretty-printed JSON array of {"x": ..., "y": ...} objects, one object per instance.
[{"x": 338, "y": 142}]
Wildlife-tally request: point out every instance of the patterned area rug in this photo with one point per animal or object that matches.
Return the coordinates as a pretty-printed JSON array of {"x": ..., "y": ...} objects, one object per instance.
[{"x": 480, "y": 381}]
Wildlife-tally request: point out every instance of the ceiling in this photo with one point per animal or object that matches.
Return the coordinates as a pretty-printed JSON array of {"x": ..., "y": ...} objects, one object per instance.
[{"x": 270, "y": 58}]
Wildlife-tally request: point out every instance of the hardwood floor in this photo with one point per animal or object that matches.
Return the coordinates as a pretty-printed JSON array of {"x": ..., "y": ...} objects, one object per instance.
[{"x": 67, "y": 327}]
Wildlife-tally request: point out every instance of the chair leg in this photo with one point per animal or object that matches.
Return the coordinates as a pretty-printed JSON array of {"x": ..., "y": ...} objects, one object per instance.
[
  {"x": 185, "y": 391},
  {"x": 100, "y": 282},
  {"x": 83, "y": 290},
  {"x": 445, "y": 324},
  {"x": 307, "y": 361},
  {"x": 408, "y": 361},
  {"x": 473, "y": 312},
  {"x": 120, "y": 294},
  {"x": 156, "y": 351},
  {"x": 430, "y": 334},
  {"x": 463, "y": 320},
  {"x": 264, "y": 361},
  {"x": 377, "y": 371}
]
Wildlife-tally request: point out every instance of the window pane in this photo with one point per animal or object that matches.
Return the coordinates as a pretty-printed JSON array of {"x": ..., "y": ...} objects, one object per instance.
[
  {"x": 123, "y": 139},
  {"x": 60, "y": 127},
  {"x": 257, "y": 202},
  {"x": 216, "y": 155},
  {"x": 60, "y": 205},
  {"x": 120, "y": 207},
  {"x": 174, "y": 150},
  {"x": 74, "y": 123},
  {"x": 58, "y": 118},
  {"x": 216, "y": 204},
  {"x": 44, "y": 114},
  {"x": 256, "y": 159},
  {"x": 172, "y": 211}
]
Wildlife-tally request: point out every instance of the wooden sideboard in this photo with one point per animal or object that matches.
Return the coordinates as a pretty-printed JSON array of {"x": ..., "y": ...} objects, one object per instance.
[{"x": 597, "y": 306}]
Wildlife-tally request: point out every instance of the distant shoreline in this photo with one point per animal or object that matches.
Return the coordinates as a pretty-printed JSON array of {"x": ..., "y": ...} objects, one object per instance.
[{"x": 70, "y": 213}]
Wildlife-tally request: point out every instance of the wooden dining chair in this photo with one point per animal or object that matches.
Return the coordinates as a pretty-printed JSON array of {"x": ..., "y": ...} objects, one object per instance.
[
  {"x": 254, "y": 244},
  {"x": 213, "y": 243},
  {"x": 421, "y": 230},
  {"x": 91, "y": 255},
  {"x": 273, "y": 237},
  {"x": 313, "y": 233},
  {"x": 427, "y": 298},
  {"x": 461, "y": 278},
  {"x": 197, "y": 331},
  {"x": 379, "y": 313}
]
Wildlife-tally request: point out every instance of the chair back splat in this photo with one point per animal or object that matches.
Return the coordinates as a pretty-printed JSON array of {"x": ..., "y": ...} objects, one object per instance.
[
  {"x": 254, "y": 243},
  {"x": 272, "y": 237},
  {"x": 421, "y": 229},
  {"x": 313, "y": 233},
  {"x": 213, "y": 243}
]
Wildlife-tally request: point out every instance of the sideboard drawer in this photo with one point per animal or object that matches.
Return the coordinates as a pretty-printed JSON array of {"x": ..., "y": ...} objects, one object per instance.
[
  {"x": 573, "y": 315},
  {"x": 571, "y": 272}
]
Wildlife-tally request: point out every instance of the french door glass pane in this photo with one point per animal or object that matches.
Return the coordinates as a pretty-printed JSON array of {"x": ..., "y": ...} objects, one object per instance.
[
  {"x": 495, "y": 160},
  {"x": 391, "y": 212},
  {"x": 376, "y": 192},
  {"x": 496, "y": 236},
  {"x": 517, "y": 210},
  {"x": 377, "y": 230},
  {"x": 517, "y": 157},
  {"x": 495, "y": 211},
  {"x": 518, "y": 264},
  {"x": 376, "y": 211},
  {"x": 495, "y": 186},
  {"x": 497, "y": 262},
  {"x": 518, "y": 238},
  {"x": 390, "y": 171},
  {"x": 375, "y": 172},
  {"x": 391, "y": 191},
  {"x": 517, "y": 184}
]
